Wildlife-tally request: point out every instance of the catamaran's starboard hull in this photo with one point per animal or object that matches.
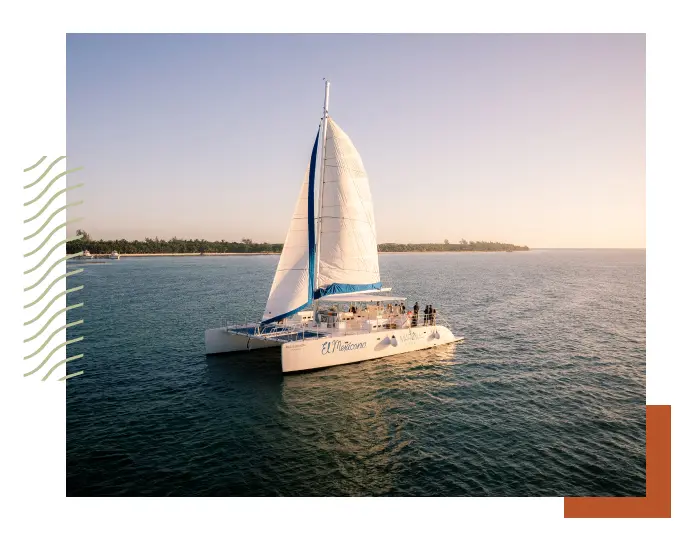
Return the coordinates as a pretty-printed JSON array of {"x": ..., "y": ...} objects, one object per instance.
[
  {"x": 331, "y": 350},
  {"x": 219, "y": 340},
  {"x": 316, "y": 353}
]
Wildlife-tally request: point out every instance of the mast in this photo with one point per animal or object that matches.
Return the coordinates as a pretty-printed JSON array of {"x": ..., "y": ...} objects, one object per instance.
[{"x": 320, "y": 193}]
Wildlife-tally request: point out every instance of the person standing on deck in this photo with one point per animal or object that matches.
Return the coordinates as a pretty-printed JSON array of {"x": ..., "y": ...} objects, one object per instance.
[
  {"x": 425, "y": 315},
  {"x": 416, "y": 309}
]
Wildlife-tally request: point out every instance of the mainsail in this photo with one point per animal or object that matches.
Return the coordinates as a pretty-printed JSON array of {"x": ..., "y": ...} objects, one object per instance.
[
  {"x": 348, "y": 259},
  {"x": 293, "y": 285}
]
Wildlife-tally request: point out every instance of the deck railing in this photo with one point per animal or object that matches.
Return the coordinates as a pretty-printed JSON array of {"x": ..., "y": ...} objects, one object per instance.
[{"x": 292, "y": 331}]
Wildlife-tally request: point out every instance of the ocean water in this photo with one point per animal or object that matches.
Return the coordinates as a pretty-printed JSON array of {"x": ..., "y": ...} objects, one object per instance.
[{"x": 545, "y": 397}]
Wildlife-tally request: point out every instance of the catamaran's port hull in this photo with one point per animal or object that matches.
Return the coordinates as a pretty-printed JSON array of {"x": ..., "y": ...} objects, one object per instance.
[
  {"x": 219, "y": 340},
  {"x": 317, "y": 353}
]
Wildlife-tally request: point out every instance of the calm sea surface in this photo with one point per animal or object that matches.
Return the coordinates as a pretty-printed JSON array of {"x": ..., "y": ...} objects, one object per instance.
[{"x": 545, "y": 397}]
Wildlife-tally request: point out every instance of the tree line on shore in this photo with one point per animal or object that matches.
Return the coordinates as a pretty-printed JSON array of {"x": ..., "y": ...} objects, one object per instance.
[
  {"x": 199, "y": 246},
  {"x": 446, "y": 246}
]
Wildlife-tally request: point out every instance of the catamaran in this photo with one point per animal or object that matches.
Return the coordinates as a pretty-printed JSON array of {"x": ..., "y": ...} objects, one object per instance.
[{"x": 326, "y": 306}]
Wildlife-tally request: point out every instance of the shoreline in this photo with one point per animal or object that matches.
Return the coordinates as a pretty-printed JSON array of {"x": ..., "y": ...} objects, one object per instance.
[
  {"x": 166, "y": 254},
  {"x": 178, "y": 254}
]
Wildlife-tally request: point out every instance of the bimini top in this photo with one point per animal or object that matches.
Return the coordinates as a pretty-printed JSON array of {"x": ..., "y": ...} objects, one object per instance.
[{"x": 363, "y": 297}]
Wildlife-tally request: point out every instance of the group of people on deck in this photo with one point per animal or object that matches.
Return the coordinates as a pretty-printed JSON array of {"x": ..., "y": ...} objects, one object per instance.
[
  {"x": 429, "y": 315},
  {"x": 396, "y": 309},
  {"x": 396, "y": 312}
]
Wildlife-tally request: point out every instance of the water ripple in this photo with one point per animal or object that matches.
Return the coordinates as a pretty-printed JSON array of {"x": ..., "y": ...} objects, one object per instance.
[{"x": 545, "y": 397}]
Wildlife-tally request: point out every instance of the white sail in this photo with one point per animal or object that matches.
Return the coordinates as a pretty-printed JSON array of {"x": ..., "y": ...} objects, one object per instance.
[
  {"x": 348, "y": 259},
  {"x": 292, "y": 287}
]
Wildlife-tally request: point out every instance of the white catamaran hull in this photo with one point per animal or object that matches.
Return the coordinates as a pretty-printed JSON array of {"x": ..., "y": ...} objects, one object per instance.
[
  {"x": 339, "y": 350},
  {"x": 219, "y": 340},
  {"x": 332, "y": 348}
]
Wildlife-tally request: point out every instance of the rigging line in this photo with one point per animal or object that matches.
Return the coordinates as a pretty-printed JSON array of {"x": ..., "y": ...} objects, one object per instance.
[
  {"x": 358, "y": 271},
  {"x": 344, "y": 218},
  {"x": 318, "y": 221},
  {"x": 348, "y": 168}
]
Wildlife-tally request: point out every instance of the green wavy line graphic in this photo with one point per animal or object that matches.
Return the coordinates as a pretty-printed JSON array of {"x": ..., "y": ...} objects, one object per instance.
[
  {"x": 43, "y": 298},
  {"x": 54, "y": 350},
  {"x": 48, "y": 338},
  {"x": 51, "y": 183},
  {"x": 60, "y": 363},
  {"x": 54, "y": 247},
  {"x": 64, "y": 293},
  {"x": 67, "y": 257},
  {"x": 40, "y": 212},
  {"x": 50, "y": 235},
  {"x": 50, "y": 218},
  {"x": 52, "y": 318},
  {"x": 67, "y": 376},
  {"x": 59, "y": 159},
  {"x": 53, "y": 283},
  {"x": 37, "y": 163}
]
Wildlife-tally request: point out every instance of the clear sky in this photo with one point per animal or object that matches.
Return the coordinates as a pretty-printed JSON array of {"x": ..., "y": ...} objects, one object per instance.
[{"x": 529, "y": 139}]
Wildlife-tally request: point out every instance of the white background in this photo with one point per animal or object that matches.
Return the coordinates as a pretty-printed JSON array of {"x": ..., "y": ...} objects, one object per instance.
[{"x": 33, "y": 413}]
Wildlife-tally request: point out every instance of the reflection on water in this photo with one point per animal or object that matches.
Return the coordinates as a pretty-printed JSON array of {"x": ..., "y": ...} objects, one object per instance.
[{"x": 355, "y": 417}]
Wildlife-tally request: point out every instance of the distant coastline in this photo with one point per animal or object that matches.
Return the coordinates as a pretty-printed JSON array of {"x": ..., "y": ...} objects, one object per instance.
[
  {"x": 164, "y": 254},
  {"x": 197, "y": 247},
  {"x": 195, "y": 254}
]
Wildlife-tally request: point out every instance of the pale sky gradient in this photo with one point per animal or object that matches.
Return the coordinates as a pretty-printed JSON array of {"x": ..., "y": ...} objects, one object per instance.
[{"x": 528, "y": 139}]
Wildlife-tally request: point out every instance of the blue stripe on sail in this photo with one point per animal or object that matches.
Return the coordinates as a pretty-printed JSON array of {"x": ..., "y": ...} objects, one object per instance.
[
  {"x": 312, "y": 238},
  {"x": 311, "y": 219},
  {"x": 340, "y": 288}
]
